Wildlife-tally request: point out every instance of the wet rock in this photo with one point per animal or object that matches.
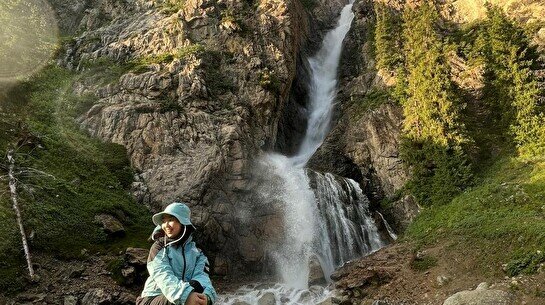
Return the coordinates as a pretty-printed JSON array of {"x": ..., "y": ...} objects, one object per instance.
[
  {"x": 110, "y": 224},
  {"x": 267, "y": 299},
  {"x": 221, "y": 266},
  {"x": 96, "y": 297},
  {"x": 402, "y": 212},
  {"x": 328, "y": 301},
  {"x": 482, "y": 295},
  {"x": 316, "y": 274},
  {"x": 128, "y": 272},
  {"x": 136, "y": 256}
]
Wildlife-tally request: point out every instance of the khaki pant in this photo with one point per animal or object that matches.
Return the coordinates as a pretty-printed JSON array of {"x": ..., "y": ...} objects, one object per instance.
[{"x": 156, "y": 300}]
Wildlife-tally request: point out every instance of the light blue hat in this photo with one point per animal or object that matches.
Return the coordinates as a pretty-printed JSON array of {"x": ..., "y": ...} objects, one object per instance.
[{"x": 176, "y": 209}]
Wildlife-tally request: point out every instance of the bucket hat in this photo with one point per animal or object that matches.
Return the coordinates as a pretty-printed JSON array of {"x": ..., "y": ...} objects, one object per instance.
[{"x": 176, "y": 209}]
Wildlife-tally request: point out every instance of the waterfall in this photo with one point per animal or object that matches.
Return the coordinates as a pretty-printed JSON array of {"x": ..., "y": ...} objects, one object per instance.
[
  {"x": 324, "y": 215},
  {"x": 332, "y": 222},
  {"x": 322, "y": 88},
  {"x": 346, "y": 229}
]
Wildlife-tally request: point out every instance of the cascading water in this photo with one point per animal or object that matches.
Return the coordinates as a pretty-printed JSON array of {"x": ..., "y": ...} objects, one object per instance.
[
  {"x": 323, "y": 86},
  {"x": 331, "y": 222}
]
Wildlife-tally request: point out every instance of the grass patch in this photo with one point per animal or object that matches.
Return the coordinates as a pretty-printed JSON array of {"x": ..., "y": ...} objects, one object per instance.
[
  {"x": 499, "y": 218},
  {"x": 525, "y": 263},
  {"x": 85, "y": 177},
  {"x": 424, "y": 263}
]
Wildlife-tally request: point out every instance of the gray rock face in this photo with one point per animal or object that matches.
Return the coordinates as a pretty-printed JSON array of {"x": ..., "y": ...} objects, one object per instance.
[
  {"x": 481, "y": 296},
  {"x": 205, "y": 98},
  {"x": 402, "y": 212}
]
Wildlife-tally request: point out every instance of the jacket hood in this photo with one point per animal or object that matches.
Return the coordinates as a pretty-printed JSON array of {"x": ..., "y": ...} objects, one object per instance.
[{"x": 176, "y": 209}]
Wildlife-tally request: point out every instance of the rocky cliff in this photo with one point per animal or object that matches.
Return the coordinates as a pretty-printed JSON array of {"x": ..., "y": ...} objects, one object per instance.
[{"x": 200, "y": 90}]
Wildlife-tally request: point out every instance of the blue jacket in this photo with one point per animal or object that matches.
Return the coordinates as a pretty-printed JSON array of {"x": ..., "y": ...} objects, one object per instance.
[{"x": 172, "y": 264}]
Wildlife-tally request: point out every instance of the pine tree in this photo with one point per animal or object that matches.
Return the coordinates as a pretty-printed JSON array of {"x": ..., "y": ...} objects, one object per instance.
[
  {"x": 387, "y": 38},
  {"x": 511, "y": 88},
  {"x": 434, "y": 133}
]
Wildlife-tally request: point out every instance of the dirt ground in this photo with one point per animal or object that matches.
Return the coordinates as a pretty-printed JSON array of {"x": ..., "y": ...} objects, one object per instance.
[{"x": 399, "y": 275}]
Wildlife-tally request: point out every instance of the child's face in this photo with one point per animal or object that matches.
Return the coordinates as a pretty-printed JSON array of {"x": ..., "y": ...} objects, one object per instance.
[{"x": 171, "y": 226}]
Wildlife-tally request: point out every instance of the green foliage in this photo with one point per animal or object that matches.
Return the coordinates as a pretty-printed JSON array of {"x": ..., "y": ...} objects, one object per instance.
[
  {"x": 511, "y": 89},
  {"x": 12, "y": 263},
  {"x": 84, "y": 177},
  {"x": 526, "y": 263},
  {"x": 115, "y": 266},
  {"x": 141, "y": 64},
  {"x": 387, "y": 40},
  {"x": 432, "y": 107},
  {"x": 434, "y": 134},
  {"x": 438, "y": 173},
  {"x": 500, "y": 216}
]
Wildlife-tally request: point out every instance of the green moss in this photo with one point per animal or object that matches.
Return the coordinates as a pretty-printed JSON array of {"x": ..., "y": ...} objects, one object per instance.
[{"x": 172, "y": 6}]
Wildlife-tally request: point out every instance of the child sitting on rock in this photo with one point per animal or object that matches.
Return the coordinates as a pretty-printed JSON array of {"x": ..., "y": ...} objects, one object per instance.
[{"x": 178, "y": 270}]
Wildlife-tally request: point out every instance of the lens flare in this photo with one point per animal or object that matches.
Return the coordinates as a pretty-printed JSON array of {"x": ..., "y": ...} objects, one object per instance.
[{"x": 28, "y": 37}]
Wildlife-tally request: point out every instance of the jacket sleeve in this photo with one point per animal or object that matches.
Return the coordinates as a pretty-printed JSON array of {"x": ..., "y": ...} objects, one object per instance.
[
  {"x": 201, "y": 274},
  {"x": 175, "y": 290}
]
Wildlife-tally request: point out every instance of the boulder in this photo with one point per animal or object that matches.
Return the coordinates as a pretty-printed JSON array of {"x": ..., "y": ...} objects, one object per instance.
[
  {"x": 110, "y": 224},
  {"x": 482, "y": 295},
  {"x": 136, "y": 256},
  {"x": 267, "y": 299},
  {"x": 316, "y": 274}
]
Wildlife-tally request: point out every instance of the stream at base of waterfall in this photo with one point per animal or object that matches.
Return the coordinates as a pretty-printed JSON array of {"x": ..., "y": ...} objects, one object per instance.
[{"x": 326, "y": 218}]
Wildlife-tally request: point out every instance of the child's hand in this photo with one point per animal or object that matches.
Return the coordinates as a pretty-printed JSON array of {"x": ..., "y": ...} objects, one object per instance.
[{"x": 196, "y": 299}]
